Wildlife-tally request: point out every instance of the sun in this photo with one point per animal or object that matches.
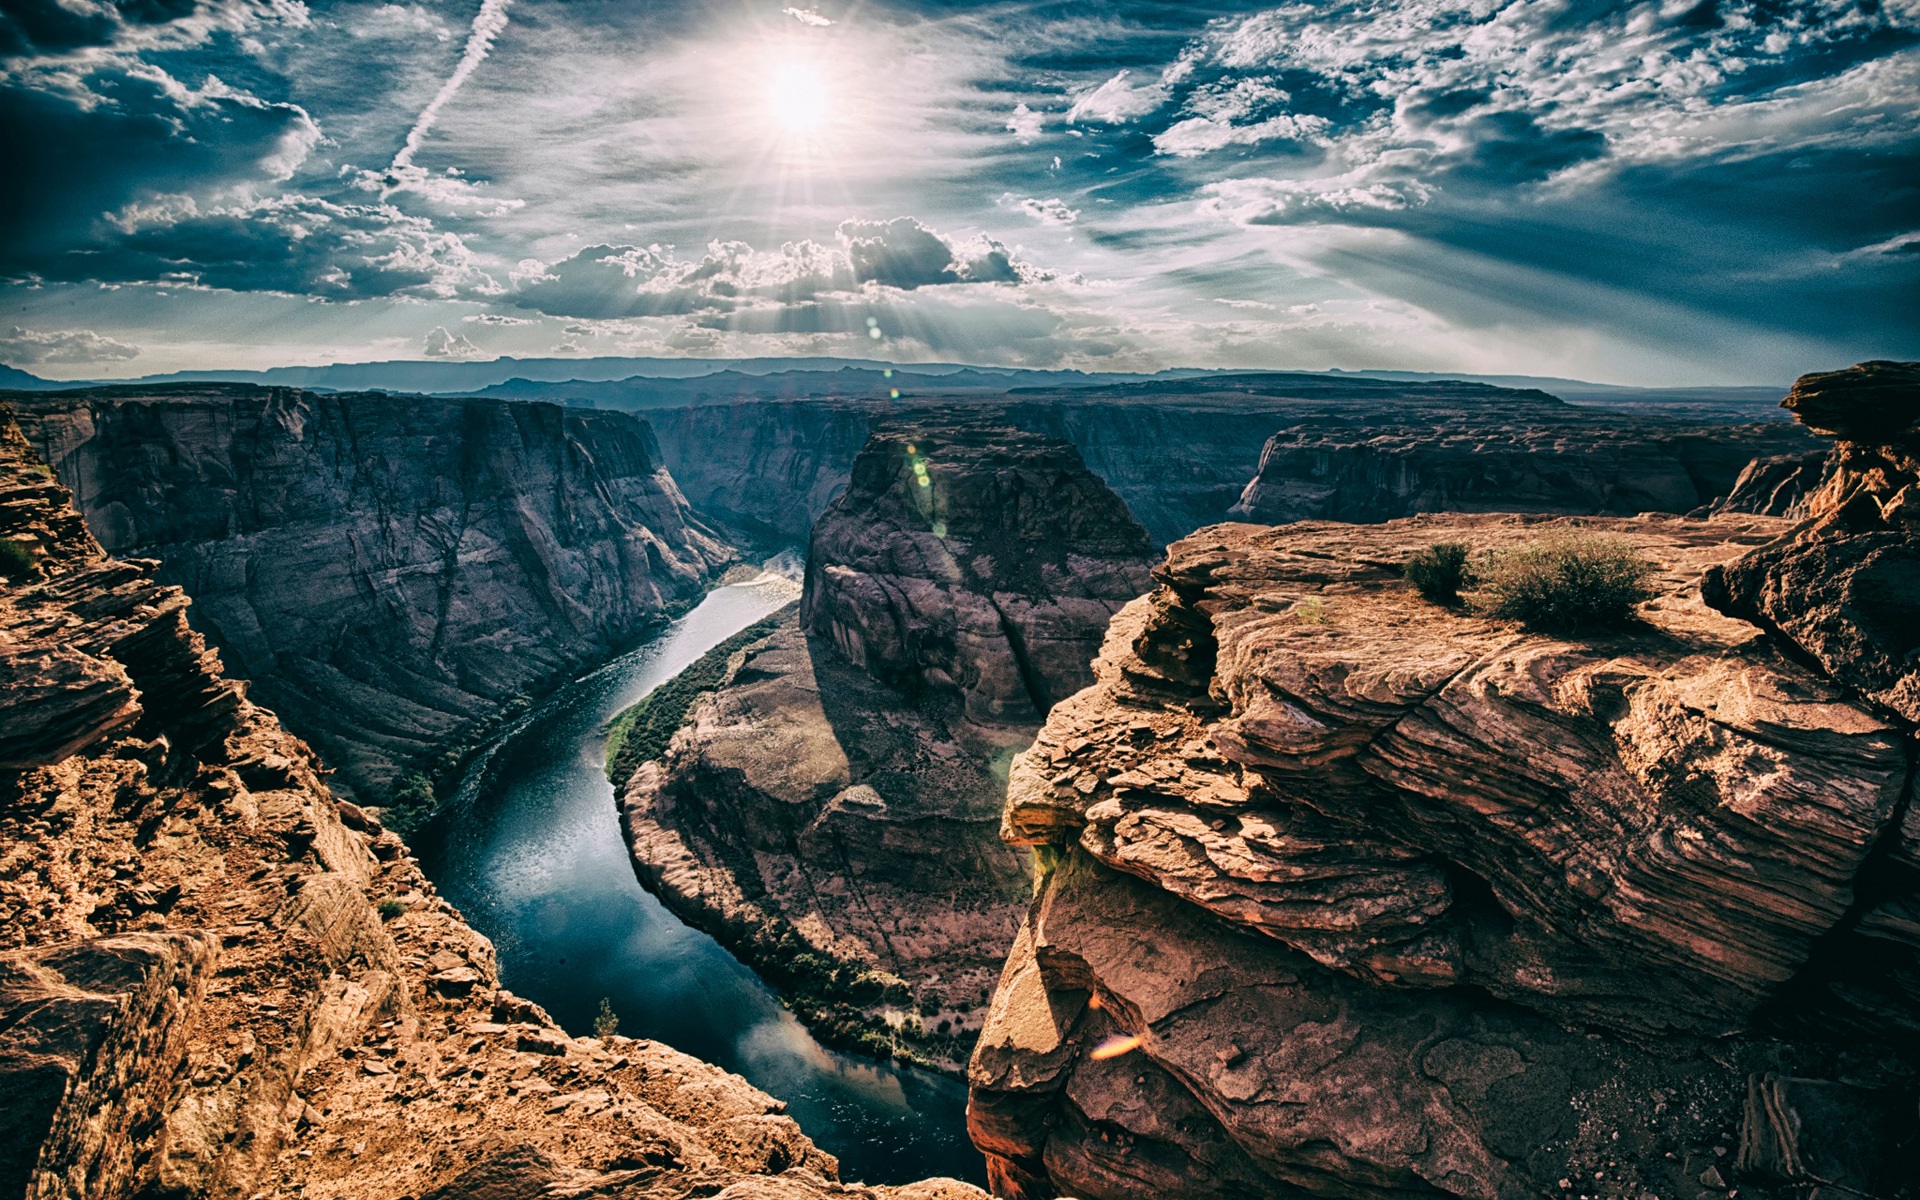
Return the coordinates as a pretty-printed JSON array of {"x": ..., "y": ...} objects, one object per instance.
[{"x": 797, "y": 97}]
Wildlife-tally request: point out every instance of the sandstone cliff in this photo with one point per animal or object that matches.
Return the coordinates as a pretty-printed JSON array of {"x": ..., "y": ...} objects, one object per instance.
[
  {"x": 1501, "y": 451},
  {"x": 1354, "y": 895},
  {"x": 393, "y": 575},
  {"x": 830, "y": 810},
  {"x": 216, "y": 980},
  {"x": 1180, "y": 454}
]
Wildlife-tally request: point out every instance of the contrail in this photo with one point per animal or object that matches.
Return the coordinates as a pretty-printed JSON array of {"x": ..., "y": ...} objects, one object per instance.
[{"x": 487, "y": 24}]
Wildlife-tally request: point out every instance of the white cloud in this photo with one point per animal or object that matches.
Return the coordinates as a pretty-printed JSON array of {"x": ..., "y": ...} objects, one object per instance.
[
  {"x": 487, "y": 24},
  {"x": 498, "y": 319},
  {"x": 1047, "y": 212},
  {"x": 1292, "y": 201},
  {"x": 441, "y": 344},
  {"x": 1026, "y": 124},
  {"x": 1116, "y": 101},
  {"x": 807, "y": 16},
  {"x": 1200, "y": 135},
  {"x": 19, "y": 345}
]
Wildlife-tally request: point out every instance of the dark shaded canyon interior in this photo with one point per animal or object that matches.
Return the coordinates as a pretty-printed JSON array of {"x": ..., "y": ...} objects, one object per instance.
[{"x": 1340, "y": 893}]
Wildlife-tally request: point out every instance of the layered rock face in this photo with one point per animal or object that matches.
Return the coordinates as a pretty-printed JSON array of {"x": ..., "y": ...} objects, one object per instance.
[
  {"x": 1843, "y": 592},
  {"x": 1181, "y": 453},
  {"x": 392, "y": 574},
  {"x": 830, "y": 810},
  {"x": 1501, "y": 451},
  {"x": 217, "y": 980},
  {"x": 1359, "y": 896},
  {"x": 972, "y": 559}
]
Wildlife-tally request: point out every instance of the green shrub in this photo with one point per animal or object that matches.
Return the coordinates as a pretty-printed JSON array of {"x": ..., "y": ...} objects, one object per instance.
[
  {"x": 389, "y": 908},
  {"x": 17, "y": 559},
  {"x": 409, "y": 803},
  {"x": 1311, "y": 611},
  {"x": 1571, "y": 583},
  {"x": 608, "y": 1022},
  {"x": 1439, "y": 572},
  {"x": 641, "y": 733}
]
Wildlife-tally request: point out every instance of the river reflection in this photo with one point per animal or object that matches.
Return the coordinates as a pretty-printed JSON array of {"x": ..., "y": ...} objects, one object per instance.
[{"x": 530, "y": 851}]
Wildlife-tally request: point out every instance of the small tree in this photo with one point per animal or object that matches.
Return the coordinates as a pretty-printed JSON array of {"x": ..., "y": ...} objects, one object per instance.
[
  {"x": 1439, "y": 572},
  {"x": 1570, "y": 583},
  {"x": 608, "y": 1022}
]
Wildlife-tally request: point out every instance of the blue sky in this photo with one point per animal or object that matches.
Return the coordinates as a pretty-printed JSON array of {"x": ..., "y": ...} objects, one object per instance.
[{"x": 1710, "y": 191}]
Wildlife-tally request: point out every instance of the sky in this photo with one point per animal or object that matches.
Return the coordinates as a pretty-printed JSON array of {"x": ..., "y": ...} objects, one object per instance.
[{"x": 1692, "y": 192}]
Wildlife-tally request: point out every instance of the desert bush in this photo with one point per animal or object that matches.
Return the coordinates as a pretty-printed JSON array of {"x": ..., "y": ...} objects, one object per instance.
[
  {"x": 390, "y": 908},
  {"x": 17, "y": 559},
  {"x": 1439, "y": 572},
  {"x": 607, "y": 1023},
  {"x": 1572, "y": 582}
]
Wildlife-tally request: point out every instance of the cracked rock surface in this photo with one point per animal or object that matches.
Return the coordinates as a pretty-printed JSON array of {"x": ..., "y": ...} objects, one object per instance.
[{"x": 1394, "y": 899}]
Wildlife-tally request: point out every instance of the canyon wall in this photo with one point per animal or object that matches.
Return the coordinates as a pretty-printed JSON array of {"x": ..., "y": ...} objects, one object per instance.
[
  {"x": 1182, "y": 454},
  {"x": 218, "y": 981},
  {"x": 830, "y": 810},
  {"x": 393, "y": 575},
  {"x": 1350, "y": 894}
]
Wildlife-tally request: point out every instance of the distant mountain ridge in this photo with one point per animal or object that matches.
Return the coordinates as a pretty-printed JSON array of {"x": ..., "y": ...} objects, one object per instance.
[{"x": 645, "y": 383}]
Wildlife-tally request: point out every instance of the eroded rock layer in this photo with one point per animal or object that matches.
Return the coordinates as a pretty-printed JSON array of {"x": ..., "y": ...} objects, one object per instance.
[
  {"x": 1389, "y": 899},
  {"x": 218, "y": 980},
  {"x": 392, "y": 575},
  {"x": 971, "y": 559},
  {"x": 830, "y": 811}
]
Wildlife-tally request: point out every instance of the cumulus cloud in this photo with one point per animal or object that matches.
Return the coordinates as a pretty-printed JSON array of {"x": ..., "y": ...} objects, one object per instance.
[
  {"x": 286, "y": 243},
  {"x": 501, "y": 319},
  {"x": 607, "y": 281},
  {"x": 120, "y": 133},
  {"x": 1047, "y": 212},
  {"x": 807, "y": 16},
  {"x": 19, "y": 345},
  {"x": 441, "y": 344},
  {"x": 1026, "y": 124}
]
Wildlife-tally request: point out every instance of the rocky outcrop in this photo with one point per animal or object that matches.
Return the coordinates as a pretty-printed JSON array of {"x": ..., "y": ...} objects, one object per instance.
[
  {"x": 1844, "y": 589},
  {"x": 830, "y": 811},
  {"x": 1354, "y": 895},
  {"x": 975, "y": 560},
  {"x": 392, "y": 575},
  {"x": 217, "y": 980}
]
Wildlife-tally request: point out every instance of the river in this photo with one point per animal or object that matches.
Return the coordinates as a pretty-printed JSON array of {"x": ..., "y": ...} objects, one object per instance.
[{"x": 529, "y": 849}]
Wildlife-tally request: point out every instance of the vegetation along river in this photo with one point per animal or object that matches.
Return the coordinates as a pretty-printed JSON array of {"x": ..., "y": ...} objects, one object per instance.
[{"x": 530, "y": 850}]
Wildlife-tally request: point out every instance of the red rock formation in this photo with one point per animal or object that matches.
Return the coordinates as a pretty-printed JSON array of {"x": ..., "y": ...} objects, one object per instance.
[{"x": 1393, "y": 900}]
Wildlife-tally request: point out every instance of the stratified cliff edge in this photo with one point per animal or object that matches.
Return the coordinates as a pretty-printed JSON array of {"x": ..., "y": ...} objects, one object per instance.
[
  {"x": 1353, "y": 895},
  {"x": 830, "y": 810},
  {"x": 1181, "y": 454},
  {"x": 218, "y": 981},
  {"x": 393, "y": 575}
]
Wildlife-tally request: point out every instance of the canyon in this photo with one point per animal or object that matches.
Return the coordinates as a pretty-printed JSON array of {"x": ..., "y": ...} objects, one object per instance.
[
  {"x": 392, "y": 577},
  {"x": 1219, "y": 860},
  {"x": 829, "y": 808},
  {"x": 219, "y": 979}
]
